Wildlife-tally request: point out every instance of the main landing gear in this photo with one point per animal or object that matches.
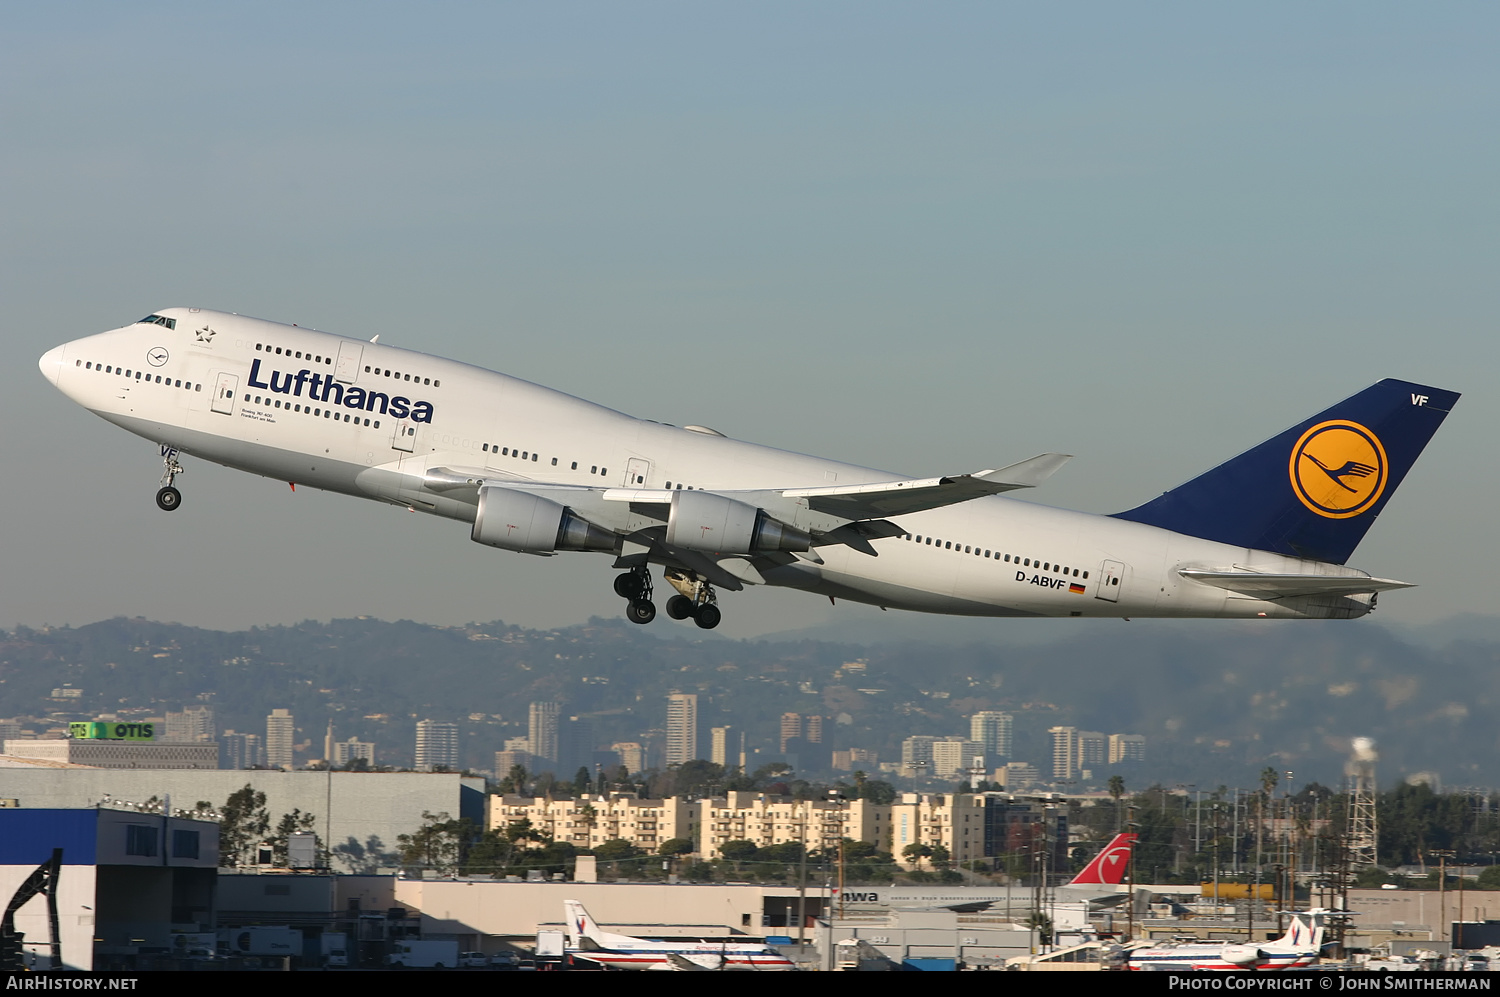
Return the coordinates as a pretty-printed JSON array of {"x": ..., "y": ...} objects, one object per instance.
[
  {"x": 169, "y": 498},
  {"x": 695, "y": 598},
  {"x": 634, "y": 586}
]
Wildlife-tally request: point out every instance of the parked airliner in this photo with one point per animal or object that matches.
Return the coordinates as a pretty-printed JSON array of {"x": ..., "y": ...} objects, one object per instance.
[
  {"x": 1297, "y": 949},
  {"x": 536, "y": 471},
  {"x": 585, "y": 940}
]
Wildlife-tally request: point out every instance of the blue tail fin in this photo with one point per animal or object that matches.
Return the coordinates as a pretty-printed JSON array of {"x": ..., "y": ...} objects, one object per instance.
[{"x": 1315, "y": 489}]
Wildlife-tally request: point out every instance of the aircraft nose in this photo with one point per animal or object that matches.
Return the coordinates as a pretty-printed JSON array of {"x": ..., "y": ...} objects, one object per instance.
[{"x": 51, "y": 364}]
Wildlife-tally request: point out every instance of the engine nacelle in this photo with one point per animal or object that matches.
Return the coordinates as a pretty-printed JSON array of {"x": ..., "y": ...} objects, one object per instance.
[
  {"x": 1241, "y": 955},
  {"x": 705, "y": 521},
  {"x": 515, "y": 520}
]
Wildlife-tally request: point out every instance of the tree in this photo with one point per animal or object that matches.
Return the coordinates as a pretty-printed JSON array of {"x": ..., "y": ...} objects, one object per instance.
[
  {"x": 698, "y": 778},
  {"x": 441, "y": 843},
  {"x": 675, "y": 846},
  {"x": 244, "y": 825},
  {"x": 1116, "y": 793},
  {"x": 514, "y": 781},
  {"x": 915, "y": 853},
  {"x": 738, "y": 851},
  {"x": 581, "y": 781}
]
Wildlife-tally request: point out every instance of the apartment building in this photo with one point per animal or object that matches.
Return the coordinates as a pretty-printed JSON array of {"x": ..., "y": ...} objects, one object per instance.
[
  {"x": 593, "y": 819},
  {"x": 775, "y": 820}
]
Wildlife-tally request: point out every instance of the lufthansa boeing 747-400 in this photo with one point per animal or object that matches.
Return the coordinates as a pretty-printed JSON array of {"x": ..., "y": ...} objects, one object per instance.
[{"x": 536, "y": 471}]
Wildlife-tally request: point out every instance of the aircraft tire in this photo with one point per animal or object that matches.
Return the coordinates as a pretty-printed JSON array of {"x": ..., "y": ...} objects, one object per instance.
[
  {"x": 679, "y": 607},
  {"x": 708, "y": 616},
  {"x": 168, "y": 499},
  {"x": 640, "y": 611},
  {"x": 627, "y": 586}
]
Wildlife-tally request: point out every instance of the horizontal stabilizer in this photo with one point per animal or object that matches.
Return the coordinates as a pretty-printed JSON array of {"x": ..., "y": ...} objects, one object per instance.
[
  {"x": 1264, "y": 585},
  {"x": 894, "y": 498}
]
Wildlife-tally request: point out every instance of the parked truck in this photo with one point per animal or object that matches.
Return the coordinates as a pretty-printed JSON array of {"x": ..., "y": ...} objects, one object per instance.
[{"x": 423, "y": 954}]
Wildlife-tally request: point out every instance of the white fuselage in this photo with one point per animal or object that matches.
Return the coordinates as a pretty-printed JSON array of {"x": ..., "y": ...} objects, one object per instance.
[{"x": 260, "y": 397}]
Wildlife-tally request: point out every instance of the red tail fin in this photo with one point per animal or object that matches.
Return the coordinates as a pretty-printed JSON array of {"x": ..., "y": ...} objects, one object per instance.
[{"x": 1108, "y": 867}]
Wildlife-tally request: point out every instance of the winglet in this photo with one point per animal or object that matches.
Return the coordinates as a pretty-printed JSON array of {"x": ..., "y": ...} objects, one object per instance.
[{"x": 1028, "y": 473}]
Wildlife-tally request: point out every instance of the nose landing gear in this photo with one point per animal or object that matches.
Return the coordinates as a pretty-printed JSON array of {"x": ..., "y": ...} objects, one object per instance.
[{"x": 169, "y": 498}]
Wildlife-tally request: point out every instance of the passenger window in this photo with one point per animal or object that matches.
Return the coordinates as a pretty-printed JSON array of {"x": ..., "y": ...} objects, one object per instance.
[{"x": 575, "y": 465}]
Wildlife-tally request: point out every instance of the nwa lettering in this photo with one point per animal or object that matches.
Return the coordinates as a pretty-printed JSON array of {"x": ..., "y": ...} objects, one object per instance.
[
  {"x": 322, "y": 387},
  {"x": 1042, "y": 580}
]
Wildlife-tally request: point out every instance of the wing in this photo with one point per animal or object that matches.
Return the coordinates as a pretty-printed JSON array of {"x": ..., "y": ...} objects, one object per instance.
[
  {"x": 1266, "y": 585},
  {"x": 893, "y": 498}
]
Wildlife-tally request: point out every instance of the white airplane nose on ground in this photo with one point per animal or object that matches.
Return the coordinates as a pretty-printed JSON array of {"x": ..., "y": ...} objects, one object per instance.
[{"x": 51, "y": 364}]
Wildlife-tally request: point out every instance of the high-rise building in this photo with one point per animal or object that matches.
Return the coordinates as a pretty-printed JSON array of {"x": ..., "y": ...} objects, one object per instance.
[
  {"x": 953, "y": 757},
  {"x": 241, "y": 751},
  {"x": 1126, "y": 748},
  {"x": 916, "y": 755},
  {"x": 994, "y": 731},
  {"x": 791, "y": 730},
  {"x": 345, "y": 752},
  {"x": 575, "y": 747},
  {"x": 1017, "y": 776},
  {"x": 632, "y": 755},
  {"x": 437, "y": 746},
  {"x": 718, "y": 751},
  {"x": 1093, "y": 749},
  {"x": 1064, "y": 753},
  {"x": 542, "y": 732},
  {"x": 855, "y": 759},
  {"x": 682, "y": 728},
  {"x": 195, "y": 723},
  {"x": 281, "y": 738}
]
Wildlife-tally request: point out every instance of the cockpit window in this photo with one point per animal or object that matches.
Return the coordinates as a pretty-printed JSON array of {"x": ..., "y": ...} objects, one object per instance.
[{"x": 170, "y": 323}]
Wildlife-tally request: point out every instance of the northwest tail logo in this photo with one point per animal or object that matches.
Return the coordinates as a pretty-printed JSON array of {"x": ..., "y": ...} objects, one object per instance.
[{"x": 1338, "y": 469}]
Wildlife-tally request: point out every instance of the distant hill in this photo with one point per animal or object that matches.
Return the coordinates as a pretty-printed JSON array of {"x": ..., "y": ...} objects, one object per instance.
[{"x": 1218, "y": 701}]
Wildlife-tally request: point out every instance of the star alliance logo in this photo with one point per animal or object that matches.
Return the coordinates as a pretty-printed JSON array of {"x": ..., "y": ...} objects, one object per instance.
[{"x": 205, "y": 335}]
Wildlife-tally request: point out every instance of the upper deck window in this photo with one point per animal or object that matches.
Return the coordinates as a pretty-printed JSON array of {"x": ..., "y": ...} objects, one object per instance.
[{"x": 170, "y": 323}]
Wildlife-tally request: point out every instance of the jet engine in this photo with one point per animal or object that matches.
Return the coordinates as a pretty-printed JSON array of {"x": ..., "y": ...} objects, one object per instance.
[
  {"x": 705, "y": 521},
  {"x": 1241, "y": 955},
  {"x": 519, "y": 521}
]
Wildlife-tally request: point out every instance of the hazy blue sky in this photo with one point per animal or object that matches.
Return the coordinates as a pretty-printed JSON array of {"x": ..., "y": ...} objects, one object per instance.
[{"x": 926, "y": 237}]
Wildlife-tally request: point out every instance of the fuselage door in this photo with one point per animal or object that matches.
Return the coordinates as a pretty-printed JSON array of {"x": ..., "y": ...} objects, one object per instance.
[
  {"x": 349, "y": 357},
  {"x": 405, "y": 437},
  {"x": 1111, "y": 577},
  {"x": 637, "y": 470},
  {"x": 224, "y": 390}
]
